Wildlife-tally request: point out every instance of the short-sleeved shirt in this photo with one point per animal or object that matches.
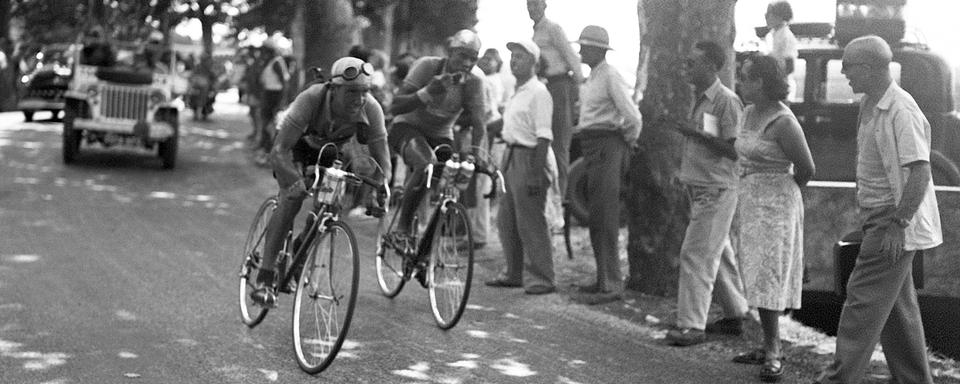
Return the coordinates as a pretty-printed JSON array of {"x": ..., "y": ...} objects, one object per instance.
[
  {"x": 528, "y": 115},
  {"x": 436, "y": 119},
  {"x": 902, "y": 135},
  {"x": 310, "y": 113},
  {"x": 701, "y": 166}
]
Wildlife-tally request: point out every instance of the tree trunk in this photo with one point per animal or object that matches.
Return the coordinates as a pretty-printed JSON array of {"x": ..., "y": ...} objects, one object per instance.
[
  {"x": 331, "y": 32},
  {"x": 297, "y": 35},
  {"x": 5, "y": 24},
  {"x": 658, "y": 209}
]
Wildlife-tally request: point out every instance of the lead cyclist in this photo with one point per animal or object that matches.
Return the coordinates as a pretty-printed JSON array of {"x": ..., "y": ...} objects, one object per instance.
[{"x": 325, "y": 113}]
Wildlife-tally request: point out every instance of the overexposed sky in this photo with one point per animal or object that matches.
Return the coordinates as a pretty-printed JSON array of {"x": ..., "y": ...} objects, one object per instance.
[{"x": 502, "y": 20}]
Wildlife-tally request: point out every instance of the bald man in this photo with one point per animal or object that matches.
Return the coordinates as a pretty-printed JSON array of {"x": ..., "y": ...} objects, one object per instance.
[{"x": 898, "y": 210}]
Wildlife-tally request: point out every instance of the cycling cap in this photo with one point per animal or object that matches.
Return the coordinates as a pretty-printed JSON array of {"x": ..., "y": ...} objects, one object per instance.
[
  {"x": 351, "y": 71},
  {"x": 465, "y": 38}
]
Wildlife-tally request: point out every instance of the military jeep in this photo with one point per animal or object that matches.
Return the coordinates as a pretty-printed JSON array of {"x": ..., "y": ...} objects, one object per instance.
[{"x": 120, "y": 94}]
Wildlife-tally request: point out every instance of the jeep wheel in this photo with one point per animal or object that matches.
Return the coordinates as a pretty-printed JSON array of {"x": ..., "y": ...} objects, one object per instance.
[
  {"x": 944, "y": 171},
  {"x": 71, "y": 136},
  {"x": 168, "y": 148},
  {"x": 28, "y": 116}
]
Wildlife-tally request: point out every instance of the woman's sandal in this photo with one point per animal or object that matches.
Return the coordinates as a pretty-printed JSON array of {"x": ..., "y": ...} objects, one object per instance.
[
  {"x": 754, "y": 357},
  {"x": 772, "y": 370}
]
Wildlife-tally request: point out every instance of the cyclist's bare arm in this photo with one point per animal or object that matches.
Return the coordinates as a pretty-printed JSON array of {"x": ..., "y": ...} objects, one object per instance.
[
  {"x": 378, "y": 147},
  {"x": 281, "y": 156},
  {"x": 405, "y": 100},
  {"x": 474, "y": 102}
]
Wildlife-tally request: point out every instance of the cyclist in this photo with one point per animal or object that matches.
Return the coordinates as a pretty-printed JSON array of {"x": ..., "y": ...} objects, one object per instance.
[
  {"x": 433, "y": 95},
  {"x": 330, "y": 112}
]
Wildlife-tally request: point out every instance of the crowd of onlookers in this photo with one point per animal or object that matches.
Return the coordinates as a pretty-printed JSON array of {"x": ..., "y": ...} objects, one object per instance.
[{"x": 744, "y": 162}]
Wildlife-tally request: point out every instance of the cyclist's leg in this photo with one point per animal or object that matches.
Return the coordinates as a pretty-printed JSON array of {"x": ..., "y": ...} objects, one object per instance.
[
  {"x": 417, "y": 154},
  {"x": 280, "y": 224}
]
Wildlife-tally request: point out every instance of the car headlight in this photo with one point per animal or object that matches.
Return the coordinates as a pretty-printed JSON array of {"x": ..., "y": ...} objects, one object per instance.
[
  {"x": 156, "y": 98},
  {"x": 25, "y": 79}
]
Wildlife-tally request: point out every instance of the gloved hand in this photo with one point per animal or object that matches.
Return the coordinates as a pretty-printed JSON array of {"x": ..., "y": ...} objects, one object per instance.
[{"x": 436, "y": 85}]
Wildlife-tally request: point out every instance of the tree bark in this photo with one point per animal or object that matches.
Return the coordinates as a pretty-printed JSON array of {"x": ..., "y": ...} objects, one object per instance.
[
  {"x": 5, "y": 8},
  {"x": 330, "y": 33},
  {"x": 658, "y": 211}
]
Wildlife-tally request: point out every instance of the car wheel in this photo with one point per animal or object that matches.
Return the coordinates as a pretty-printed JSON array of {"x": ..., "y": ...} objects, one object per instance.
[
  {"x": 28, "y": 116},
  {"x": 168, "y": 148},
  {"x": 71, "y": 136}
]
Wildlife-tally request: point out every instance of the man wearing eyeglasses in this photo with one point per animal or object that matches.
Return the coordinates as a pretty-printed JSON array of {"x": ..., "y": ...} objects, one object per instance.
[
  {"x": 898, "y": 209},
  {"x": 326, "y": 113},
  {"x": 433, "y": 95}
]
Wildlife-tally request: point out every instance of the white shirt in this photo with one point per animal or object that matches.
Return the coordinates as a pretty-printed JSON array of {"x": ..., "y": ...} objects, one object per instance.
[
  {"x": 902, "y": 134},
  {"x": 528, "y": 115},
  {"x": 270, "y": 79}
]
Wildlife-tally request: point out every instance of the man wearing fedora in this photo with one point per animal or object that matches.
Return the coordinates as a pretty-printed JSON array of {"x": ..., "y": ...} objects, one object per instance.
[
  {"x": 609, "y": 126},
  {"x": 560, "y": 66},
  {"x": 526, "y": 166}
]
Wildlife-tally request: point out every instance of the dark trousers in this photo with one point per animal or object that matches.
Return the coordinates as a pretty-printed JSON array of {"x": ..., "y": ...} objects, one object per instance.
[
  {"x": 881, "y": 306},
  {"x": 604, "y": 156},
  {"x": 269, "y": 105},
  {"x": 563, "y": 91},
  {"x": 523, "y": 223}
]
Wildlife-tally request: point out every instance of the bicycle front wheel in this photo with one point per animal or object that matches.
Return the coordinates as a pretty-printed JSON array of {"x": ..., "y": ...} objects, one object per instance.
[
  {"x": 250, "y": 313},
  {"x": 390, "y": 259},
  {"x": 450, "y": 270},
  {"x": 326, "y": 297}
]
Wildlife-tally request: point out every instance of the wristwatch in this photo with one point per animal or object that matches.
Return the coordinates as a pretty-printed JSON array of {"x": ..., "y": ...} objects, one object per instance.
[{"x": 903, "y": 223}]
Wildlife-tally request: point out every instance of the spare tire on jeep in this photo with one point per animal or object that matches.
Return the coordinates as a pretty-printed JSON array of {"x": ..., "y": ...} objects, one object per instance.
[{"x": 124, "y": 75}]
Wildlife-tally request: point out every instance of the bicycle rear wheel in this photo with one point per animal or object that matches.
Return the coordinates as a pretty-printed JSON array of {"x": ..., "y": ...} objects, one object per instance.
[
  {"x": 250, "y": 313},
  {"x": 450, "y": 270},
  {"x": 326, "y": 297},
  {"x": 390, "y": 261}
]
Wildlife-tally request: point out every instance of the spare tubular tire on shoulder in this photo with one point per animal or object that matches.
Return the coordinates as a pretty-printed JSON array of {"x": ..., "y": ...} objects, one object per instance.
[
  {"x": 575, "y": 200},
  {"x": 944, "y": 171},
  {"x": 124, "y": 75}
]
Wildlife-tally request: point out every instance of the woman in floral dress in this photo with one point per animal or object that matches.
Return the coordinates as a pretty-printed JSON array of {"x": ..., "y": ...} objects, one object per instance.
[{"x": 774, "y": 163}]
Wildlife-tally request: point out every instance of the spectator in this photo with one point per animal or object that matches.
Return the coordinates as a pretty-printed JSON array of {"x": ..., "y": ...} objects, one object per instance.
[
  {"x": 609, "y": 124},
  {"x": 708, "y": 170},
  {"x": 254, "y": 91},
  {"x": 900, "y": 216},
  {"x": 774, "y": 163},
  {"x": 561, "y": 67},
  {"x": 781, "y": 42},
  {"x": 273, "y": 79},
  {"x": 522, "y": 222}
]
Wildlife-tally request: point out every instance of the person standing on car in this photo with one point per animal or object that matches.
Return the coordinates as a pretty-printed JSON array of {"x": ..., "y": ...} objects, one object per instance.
[
  {"x": 522, "y": 221},
  {"x": 325, "y": 113},
  {"x": 781, "y": 43},
  {"x": 708, "y": 170},
  {"x": 898, "y": 209},
  {"x": 775, "y": 162},
  {"x": 560, "y": 66},
  {"x": 609, "y": 126}
]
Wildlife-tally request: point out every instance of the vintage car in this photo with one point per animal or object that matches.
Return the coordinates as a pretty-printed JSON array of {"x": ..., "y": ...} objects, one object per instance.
[
  {"x": 42, "y": 88},
  {"x": 828, "y": 111},
  {"x": 121, "y": 95}
]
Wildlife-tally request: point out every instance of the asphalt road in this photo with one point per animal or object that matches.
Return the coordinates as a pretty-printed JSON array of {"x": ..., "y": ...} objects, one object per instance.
[{"x": 115, "y": 271}]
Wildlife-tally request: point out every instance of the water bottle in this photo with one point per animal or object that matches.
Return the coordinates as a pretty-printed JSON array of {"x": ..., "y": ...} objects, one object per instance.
[
  {"x": 330, "y": 187},
  {"x": 450, "y": 170},
  {"x": 467, "y": 167}
]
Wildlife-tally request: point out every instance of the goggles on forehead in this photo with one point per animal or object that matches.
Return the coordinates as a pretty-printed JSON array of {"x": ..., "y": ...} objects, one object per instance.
[{"x": 353, "y": 72}]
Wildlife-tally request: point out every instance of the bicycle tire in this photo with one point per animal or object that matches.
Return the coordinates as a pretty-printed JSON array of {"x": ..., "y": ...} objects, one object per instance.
[
  {"x": 329, "y": 292},
  {"x": 389, "y": 261},
  {"x": 252, "y": 251},
  {"x": 450, "y": 269}
]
